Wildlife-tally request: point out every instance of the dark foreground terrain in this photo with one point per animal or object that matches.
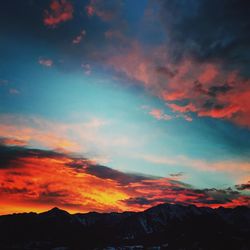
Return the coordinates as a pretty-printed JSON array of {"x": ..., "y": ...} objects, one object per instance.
[{"x": 165, "y": 226}]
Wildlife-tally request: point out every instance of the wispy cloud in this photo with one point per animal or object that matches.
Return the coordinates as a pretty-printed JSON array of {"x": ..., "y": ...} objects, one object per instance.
[
  {"x": 236, "y": 169},
  {"x": 159, "y": 114},
  {"x": 80, "y": 137},
  {"x": 79, "y": 38},
  {"x": 106, "y": 11},
  {"x": 14, "y": 91},
  {"x": 45, "y": 62},
  {"x": 86, "y": 68}
]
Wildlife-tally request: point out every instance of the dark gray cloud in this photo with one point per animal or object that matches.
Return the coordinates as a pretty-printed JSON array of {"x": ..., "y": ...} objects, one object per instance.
[
  {"x": 208, "y": 29},
  {"x": 206, "y": 197},
  {"x": 10, "y": 154},
  {"x": 244, "y": 186},
  {"x": 109, "y": 173},
  {"x": 177, "y": 174},
  {"x": 138, "y": 201}
]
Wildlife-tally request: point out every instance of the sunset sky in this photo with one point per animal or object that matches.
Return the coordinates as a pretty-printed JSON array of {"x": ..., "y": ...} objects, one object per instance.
[{"x": 114, "y": 105}]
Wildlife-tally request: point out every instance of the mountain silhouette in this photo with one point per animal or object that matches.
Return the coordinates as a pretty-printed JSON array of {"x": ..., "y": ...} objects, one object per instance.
[{"x": 166, "y": 226}]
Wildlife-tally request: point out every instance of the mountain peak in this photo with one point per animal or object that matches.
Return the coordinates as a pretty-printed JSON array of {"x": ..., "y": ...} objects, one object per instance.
[{"x": 56, "y": 211}]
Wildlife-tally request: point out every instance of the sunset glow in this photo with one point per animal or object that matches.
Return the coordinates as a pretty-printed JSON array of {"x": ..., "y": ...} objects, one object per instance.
[{"x": 123, "y": 105}]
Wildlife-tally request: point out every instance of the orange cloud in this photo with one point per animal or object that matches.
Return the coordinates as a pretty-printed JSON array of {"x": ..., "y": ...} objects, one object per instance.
[
  {"x": 47, "y": 180},
  {"x": 60, "y": 11},
  {"x": 39, "y": 179},
  {"x": 28, "y": 135},
  {"x": 81, "y": 137}
]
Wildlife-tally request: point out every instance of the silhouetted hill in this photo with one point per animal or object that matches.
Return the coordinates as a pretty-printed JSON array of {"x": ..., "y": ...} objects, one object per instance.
[{"x": 165, "y": 226}]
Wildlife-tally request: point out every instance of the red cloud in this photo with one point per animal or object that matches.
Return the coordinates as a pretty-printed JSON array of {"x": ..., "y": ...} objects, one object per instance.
[
  {"x": 90, "y": 10},
  {"x": 60, "y": 11},
  {"x": 12, "y": 142},
  {"x": 207, "y": 89},
  {"x": 105, "y": 10}
]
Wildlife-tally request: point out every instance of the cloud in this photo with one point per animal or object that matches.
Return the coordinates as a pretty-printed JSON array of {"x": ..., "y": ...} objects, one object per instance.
[
  {"x": 14, "y": 91},
  {"x": 87, "y": 68},
  {"x": 217, "y": 46},
  {"x": 160, "y": 115},
  {"x": 206, "y": 89},
  {"x": 60, "y": 11},
  {"x": 44, "y": 178},
  {"x": 31, "y": 135},
  {"x": 115, "y": 34},
  {"x": 108, "y": 173},
  {"x": 45, "y": 62},
  {"x": 12, "y": 153},
  {"x": 193, "y": 31},
  {"x": 47, "y": 177},
  {"x": 4, "y": 82},
  {"x": 12, "y": 142},
  {"x": 201, "y": 67},
  {"x": 79, "y": 38},
  {"x": 106, "y": 10},
  {"x": 153, "y": 192},
  {"x": 86, "y": 136},
  {"x": 237, "y": 169},
  {"x": 199, "y": 61},
  {"x": 179, "y": 174},
  {"x": 90, "y": 10},
  {"x": 244, "y": 186}
]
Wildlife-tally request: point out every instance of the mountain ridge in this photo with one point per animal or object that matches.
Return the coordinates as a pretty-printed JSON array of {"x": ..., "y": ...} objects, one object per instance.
[{"x": 166, "y": 226}]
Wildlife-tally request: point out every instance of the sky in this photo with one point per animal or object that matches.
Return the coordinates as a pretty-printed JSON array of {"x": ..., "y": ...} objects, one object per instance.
[{"x": 121, "y": 105}]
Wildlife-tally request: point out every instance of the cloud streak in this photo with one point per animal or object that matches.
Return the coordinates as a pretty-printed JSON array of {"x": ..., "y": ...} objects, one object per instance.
[
  {"x": 80, "y": 137},
  {"x": 233, "y": 167}
]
